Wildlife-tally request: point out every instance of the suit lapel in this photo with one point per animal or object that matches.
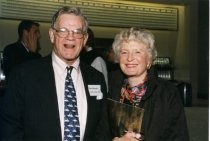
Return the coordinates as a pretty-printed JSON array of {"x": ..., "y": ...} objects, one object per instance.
[
  {"x": 48, "y": 97},
  {"x": 90, "y": 99}
]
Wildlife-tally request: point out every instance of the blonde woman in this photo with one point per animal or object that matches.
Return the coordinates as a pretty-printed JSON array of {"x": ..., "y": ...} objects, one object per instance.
[{"x": 164, "y": 117}]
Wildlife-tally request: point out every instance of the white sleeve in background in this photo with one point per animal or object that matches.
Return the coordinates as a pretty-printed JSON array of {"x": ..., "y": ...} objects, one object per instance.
[{"x": 99, "y": 64}]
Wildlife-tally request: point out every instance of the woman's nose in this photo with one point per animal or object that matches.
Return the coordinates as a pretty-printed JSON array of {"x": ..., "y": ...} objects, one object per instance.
[{"x": 130, "y": 57}]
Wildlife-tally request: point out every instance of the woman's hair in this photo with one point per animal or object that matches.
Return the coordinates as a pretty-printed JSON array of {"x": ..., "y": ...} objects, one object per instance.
[
  {"x": 70, "y": 10},
  {"x": 139, "y": 35}
]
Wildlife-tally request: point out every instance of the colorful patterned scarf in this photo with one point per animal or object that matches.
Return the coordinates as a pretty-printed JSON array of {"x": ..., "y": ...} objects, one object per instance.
[{"x": 132, "y": 95}]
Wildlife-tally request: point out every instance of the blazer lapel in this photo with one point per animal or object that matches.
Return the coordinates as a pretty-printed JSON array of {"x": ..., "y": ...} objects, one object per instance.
[
  {"x": 90, "y": 99},
  {"x": 48, "y": 97}
]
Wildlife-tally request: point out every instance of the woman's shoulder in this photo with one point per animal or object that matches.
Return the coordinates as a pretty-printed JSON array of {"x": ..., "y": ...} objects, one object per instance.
[
  {"x": 165, "y": 83},
  {"x": 165, "y": 88}
]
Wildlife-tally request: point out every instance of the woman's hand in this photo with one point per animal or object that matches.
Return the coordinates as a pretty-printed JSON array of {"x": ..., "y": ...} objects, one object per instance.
[{"x": 129, "y": 136}]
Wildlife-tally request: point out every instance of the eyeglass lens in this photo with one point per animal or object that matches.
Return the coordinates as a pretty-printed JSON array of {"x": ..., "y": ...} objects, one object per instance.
[{"x": 63, "y": 32}]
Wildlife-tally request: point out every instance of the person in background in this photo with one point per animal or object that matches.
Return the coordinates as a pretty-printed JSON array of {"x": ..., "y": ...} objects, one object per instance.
[
  {"x": 111, "y": 60},
  {"x": 26, "y": 48},
  {"x": 36, "y": 103},
  {"x": 164, "y": 117},
  {"x": 92, "y": 57}
]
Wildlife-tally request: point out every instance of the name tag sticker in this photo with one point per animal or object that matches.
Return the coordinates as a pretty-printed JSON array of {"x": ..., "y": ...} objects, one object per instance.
[{"x": 95, "y": 90}]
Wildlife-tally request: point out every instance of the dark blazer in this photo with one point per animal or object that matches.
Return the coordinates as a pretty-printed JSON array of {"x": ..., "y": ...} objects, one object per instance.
[
  {"x": 15, "y": 54},
  {"x": 164, "y": 117},
  {"x": 30, "y": 109}
]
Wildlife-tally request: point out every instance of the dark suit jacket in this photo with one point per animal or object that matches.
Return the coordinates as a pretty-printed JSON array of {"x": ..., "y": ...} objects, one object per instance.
[
  {"x": 15, "y": 54},
  {"x": 30, "y": 109}
]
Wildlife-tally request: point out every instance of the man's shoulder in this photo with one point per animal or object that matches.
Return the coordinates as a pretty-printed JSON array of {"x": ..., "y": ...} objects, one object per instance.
[
  {"x": 89, "y": 69},
  {"x": 99, "y": 59},
  {"x": 12, "y": 46},
  {"x": 39, "y": 62},
  {"x": 90, "y": 56}
]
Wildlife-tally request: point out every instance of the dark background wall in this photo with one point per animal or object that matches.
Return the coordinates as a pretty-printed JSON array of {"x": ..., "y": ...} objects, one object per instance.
[{"x": 203, "y": 49}]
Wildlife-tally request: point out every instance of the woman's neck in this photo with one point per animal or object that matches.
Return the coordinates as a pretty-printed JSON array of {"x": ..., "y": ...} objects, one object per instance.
[{"x": 136, "y": 80}]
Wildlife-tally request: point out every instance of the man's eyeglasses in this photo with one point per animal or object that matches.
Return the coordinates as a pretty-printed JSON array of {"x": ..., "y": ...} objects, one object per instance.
[{"x": 63, "y": 32}]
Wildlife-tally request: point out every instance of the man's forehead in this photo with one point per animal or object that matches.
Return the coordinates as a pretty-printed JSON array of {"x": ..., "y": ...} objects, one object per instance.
[{"x": 34, "y": 27}]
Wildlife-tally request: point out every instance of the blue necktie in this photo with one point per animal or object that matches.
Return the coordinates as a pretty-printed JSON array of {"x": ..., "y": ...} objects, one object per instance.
[{"x": 71, "y": 119}]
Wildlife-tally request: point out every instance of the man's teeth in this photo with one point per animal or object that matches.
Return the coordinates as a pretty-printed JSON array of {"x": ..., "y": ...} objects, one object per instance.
[{"x": 69, "y": 46}]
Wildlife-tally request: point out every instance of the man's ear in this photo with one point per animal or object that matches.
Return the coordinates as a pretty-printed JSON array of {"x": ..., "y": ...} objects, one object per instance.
[
  {"x": 85, "y": 40},
  {"x": 51, "y": 35}
]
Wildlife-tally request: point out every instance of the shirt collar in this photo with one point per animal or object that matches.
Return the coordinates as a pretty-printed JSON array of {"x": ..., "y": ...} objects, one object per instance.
[
  {"x": 61, "y": 65},
  {"x": 24, "y": 46}
]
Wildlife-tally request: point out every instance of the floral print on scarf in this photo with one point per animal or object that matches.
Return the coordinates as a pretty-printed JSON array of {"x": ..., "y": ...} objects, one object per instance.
[{"x": 132, "y": 95}]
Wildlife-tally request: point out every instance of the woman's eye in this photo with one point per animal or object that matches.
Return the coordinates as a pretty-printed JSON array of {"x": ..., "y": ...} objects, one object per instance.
[{"x": 123, "y": 52}]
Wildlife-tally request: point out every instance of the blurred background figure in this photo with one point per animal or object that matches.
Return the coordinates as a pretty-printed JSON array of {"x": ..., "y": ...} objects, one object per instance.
[
  {"x": 26, "y": 48},
  {"x": 92, "y": 57},
  {"x": 111, "y": 60}
]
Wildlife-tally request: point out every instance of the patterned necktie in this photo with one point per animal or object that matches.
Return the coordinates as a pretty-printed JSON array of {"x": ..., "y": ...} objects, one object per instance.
[{"x": 71, "y": 119}]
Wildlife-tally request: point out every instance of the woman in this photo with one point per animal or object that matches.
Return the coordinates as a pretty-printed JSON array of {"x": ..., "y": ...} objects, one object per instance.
[{"x": 164, "y": 117}]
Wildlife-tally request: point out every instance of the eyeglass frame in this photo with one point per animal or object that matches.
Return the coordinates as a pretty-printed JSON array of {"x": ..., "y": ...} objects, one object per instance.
[{"x": 65, "y": 30}]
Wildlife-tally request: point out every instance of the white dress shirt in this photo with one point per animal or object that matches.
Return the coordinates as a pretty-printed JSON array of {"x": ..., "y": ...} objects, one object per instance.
[{"x": 60, "y": 74}]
